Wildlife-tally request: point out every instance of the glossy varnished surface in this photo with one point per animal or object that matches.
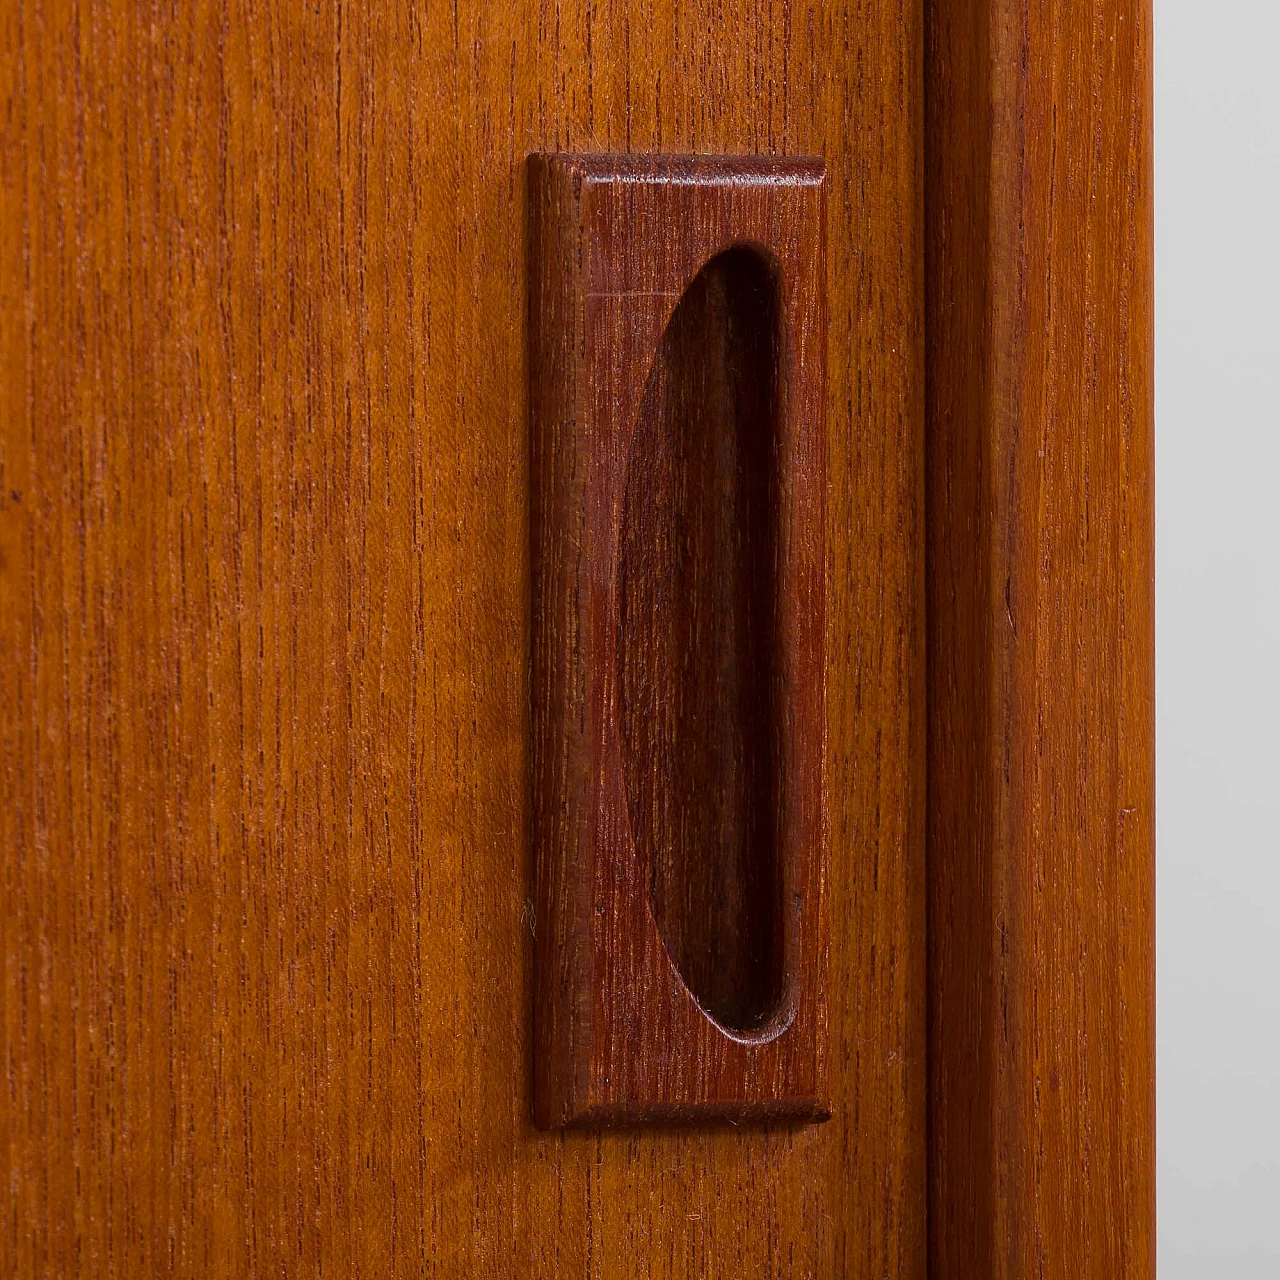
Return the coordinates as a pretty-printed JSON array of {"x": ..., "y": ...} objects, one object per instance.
[{"x": 265, "y": 860}]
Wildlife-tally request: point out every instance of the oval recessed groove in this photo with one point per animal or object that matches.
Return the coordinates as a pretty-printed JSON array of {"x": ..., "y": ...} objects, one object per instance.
[{"x": 699, "y": 687}]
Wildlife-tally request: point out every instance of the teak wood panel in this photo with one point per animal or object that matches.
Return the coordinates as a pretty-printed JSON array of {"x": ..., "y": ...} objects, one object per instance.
[
  {"x": 264, "y": 631},
  {"x": 677, "y": 362},
  {"x": 1041, "y": 646}
]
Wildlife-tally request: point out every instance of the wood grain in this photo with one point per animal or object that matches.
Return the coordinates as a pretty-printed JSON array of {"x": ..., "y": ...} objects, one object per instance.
[
  {"x": 265, "y": 856},
  {"x": 677, "y": 365},
  {"x": 1040, "y": 531}
]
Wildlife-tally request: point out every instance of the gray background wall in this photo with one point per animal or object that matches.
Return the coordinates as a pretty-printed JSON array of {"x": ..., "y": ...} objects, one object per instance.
[{"x": 1218, "y": 637}]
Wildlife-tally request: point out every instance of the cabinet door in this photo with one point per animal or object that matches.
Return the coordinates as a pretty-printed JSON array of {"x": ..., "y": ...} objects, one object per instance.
[
  {"x": 268, "y": 593},
  {"x": 268, "y": 870}
]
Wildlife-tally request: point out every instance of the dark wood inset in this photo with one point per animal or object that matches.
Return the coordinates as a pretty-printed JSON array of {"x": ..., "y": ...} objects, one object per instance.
[
  {"x": 697, "y": 633},
  {"x": 677, "y": 388}
]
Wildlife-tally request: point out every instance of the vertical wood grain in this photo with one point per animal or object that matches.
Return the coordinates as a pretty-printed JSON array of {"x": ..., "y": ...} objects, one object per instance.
[
  {"x": 266, "y": 868},
  {"x": 1040, "y": 560}
]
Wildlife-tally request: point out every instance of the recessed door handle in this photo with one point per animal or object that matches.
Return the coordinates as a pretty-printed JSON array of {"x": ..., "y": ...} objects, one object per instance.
[{"x": 677, "y": 365}]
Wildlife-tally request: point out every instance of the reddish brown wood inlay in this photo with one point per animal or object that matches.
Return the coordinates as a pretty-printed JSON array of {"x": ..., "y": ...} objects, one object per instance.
[{"x": 677, "y": 356}]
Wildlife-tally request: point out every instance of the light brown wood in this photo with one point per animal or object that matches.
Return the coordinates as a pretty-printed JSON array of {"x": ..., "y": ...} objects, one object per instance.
[
  {"x": 677, "y": 364},
  {"x": 265, "y": 856},
  {"x": 1041, "y": 773}
]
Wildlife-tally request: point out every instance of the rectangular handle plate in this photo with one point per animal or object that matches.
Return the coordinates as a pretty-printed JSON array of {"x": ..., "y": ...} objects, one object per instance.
[{"x": 677, "y": 378}]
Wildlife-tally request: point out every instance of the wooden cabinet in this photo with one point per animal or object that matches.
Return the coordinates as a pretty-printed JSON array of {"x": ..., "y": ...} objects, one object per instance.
[{"x": 266, "y": 861}]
